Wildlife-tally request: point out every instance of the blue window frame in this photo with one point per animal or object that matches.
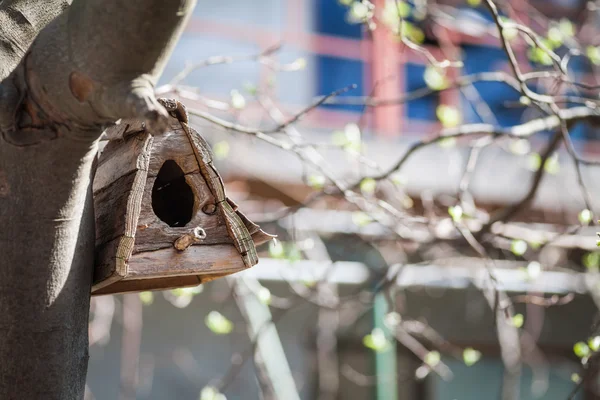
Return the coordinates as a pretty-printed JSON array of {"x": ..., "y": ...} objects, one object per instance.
[
  {"x": 501, "y": 98},
  {"x": 331, "y": 20},
  {"x": 425, "y": 107},
  {"x": 334, "y": 73}
]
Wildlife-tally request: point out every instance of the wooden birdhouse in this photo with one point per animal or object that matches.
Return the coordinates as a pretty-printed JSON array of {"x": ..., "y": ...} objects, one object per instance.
[{"x": 162, "y": 218}]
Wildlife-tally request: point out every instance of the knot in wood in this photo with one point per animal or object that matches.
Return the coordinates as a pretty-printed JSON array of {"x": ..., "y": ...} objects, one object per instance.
[{"x": 209, "y": 209}]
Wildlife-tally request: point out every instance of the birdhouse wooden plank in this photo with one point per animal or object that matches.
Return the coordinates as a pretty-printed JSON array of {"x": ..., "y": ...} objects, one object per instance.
[{"x": 162, "y": 217}]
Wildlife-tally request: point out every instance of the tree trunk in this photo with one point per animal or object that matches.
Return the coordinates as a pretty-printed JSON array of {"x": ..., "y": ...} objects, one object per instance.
[{"x": 95, "y": 63}]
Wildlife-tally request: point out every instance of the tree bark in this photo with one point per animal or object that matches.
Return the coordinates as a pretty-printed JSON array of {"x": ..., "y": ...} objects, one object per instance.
[
  {"x": 20, "y": 22},
  {"x": 95, "y": 63}
]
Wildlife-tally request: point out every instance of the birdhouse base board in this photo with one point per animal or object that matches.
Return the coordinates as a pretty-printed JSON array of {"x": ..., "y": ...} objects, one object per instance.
[
  {"x": 169, "y": 268},
  {"x": 142, "y": 285},
  {"x": 195, "y": 260}
]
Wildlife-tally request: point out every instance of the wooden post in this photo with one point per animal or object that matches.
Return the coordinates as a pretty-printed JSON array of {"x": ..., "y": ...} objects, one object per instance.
[
  {"x": 386, "y": 368},
  {"x": 387, "y": 78}
]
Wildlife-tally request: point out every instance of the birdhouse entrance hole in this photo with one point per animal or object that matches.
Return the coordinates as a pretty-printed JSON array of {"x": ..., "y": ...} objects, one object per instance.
[{"x": 172, "y": 197}]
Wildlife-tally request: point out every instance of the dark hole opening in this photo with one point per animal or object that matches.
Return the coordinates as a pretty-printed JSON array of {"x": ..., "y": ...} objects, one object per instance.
[{"x": 172, "y": 197}]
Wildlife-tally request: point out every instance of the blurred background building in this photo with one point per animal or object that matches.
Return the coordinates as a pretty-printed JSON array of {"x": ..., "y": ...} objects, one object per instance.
[{"x": 179, "y": 354}]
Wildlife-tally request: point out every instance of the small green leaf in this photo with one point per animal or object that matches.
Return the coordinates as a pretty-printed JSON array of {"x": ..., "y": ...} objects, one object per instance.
[
  {"x": 221, "y": 150},
  {"x": 591, "y": 261},
  {"x": 147, "y": 298},
  {"x": 284, "y": 251},
  {"x": 552, "y": 166},
  {"x": 566, "y": 27},
  {"x": 525, "y": 100},
  {"x": 237, "y": 100},
  {"x": 471, "y": 356},
  {"x": 447, "y": 142},
  {"x": 352, "y": 138},
  {"x": 196, "y": 289},
  {"x": 218, "y": 323},
  {"x": 435, "y": 78},
  {"x": 211, "y": 393},
  {"x": 585, "y": 216},
  {"x": 292, "y": 253},
  {"x": 448, "y": 116},
  {"x": 518, "y": 247},
  {"x": 359, "y": 12},
  {"x": 352, "y": 132},
  {"x": 276, "y": 249},
  {"x": 250, "y": 88},
  {"x": 338, "y": 138},
  {"x": 555, "y": 36},
  {"x": 407, "y": 202},
  {"x": 353, "y": 147},
  {"x": 191, "y": 291},
  {"x": 361, "y": 219},
  {"x": 575, "y": 378},
  {"x": 534, "y": 269},
  {"x": 581, "y": 349},
  {"x": 540, "y": 56},
  {"x": 376, "y": 340},
  {"x": 593, "y": 54},
  {"x": 509, "y": 32},
  {"x": 399, "y": 180},
  {"x": 534, "y": 245},
  {"x": 534, "y": 161},
  {"x": 316, "y": 181},
  {"x": 456, "y": 212},
  {"x": 594, "y": 343},
  {"x": 392, "y": 320},
  {"x": 393, "y": 12},
  {"x": 412, "y": 32},
  {"x": 368, "y": 186},
  {"x": 298, "y": 64},
  {"x": 518, "y": 320},
  {"x": 264, "y": 295},
  {"x": 309, "y": 284},
  {"x": 403, "y": 9},
  {"x": 474, "y": 3},
  {"x": 432, "y": 358},
  {"x": 345, "y": 2},
  {"x": 520, "y": 147}
]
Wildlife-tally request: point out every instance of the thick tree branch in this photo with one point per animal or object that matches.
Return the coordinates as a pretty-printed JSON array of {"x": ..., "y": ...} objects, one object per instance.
[
  {"x": 99, "y": 61},
  {"x": 20, "y": 22}
]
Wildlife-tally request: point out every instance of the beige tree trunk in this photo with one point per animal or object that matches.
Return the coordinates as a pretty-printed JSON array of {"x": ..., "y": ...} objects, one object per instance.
[{"x": 66, "y": 73}]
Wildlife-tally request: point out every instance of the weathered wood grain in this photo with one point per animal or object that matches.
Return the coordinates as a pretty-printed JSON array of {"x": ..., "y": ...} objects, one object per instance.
[
  {"x": 111, "y": 207},
  {"x": 118, "y": 205},
  {"x": 196, "y": 260},
  {"x": 124, "y": 128},
  {"x": 141, "y": 285},
  {"x": 106, "y": 263},
  {"x": 155, "y": 234},
  {"x": 119, "y": 158},
  {"x": 117, "y": 209},
  {"x": 172, "y": 145},
  {"x": 134, "y": 246}
]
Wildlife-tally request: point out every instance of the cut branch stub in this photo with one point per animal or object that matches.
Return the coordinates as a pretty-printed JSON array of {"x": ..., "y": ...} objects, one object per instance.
[
  {"x": 153, "y": 231},
  {"x": 196, "y": 235}
]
